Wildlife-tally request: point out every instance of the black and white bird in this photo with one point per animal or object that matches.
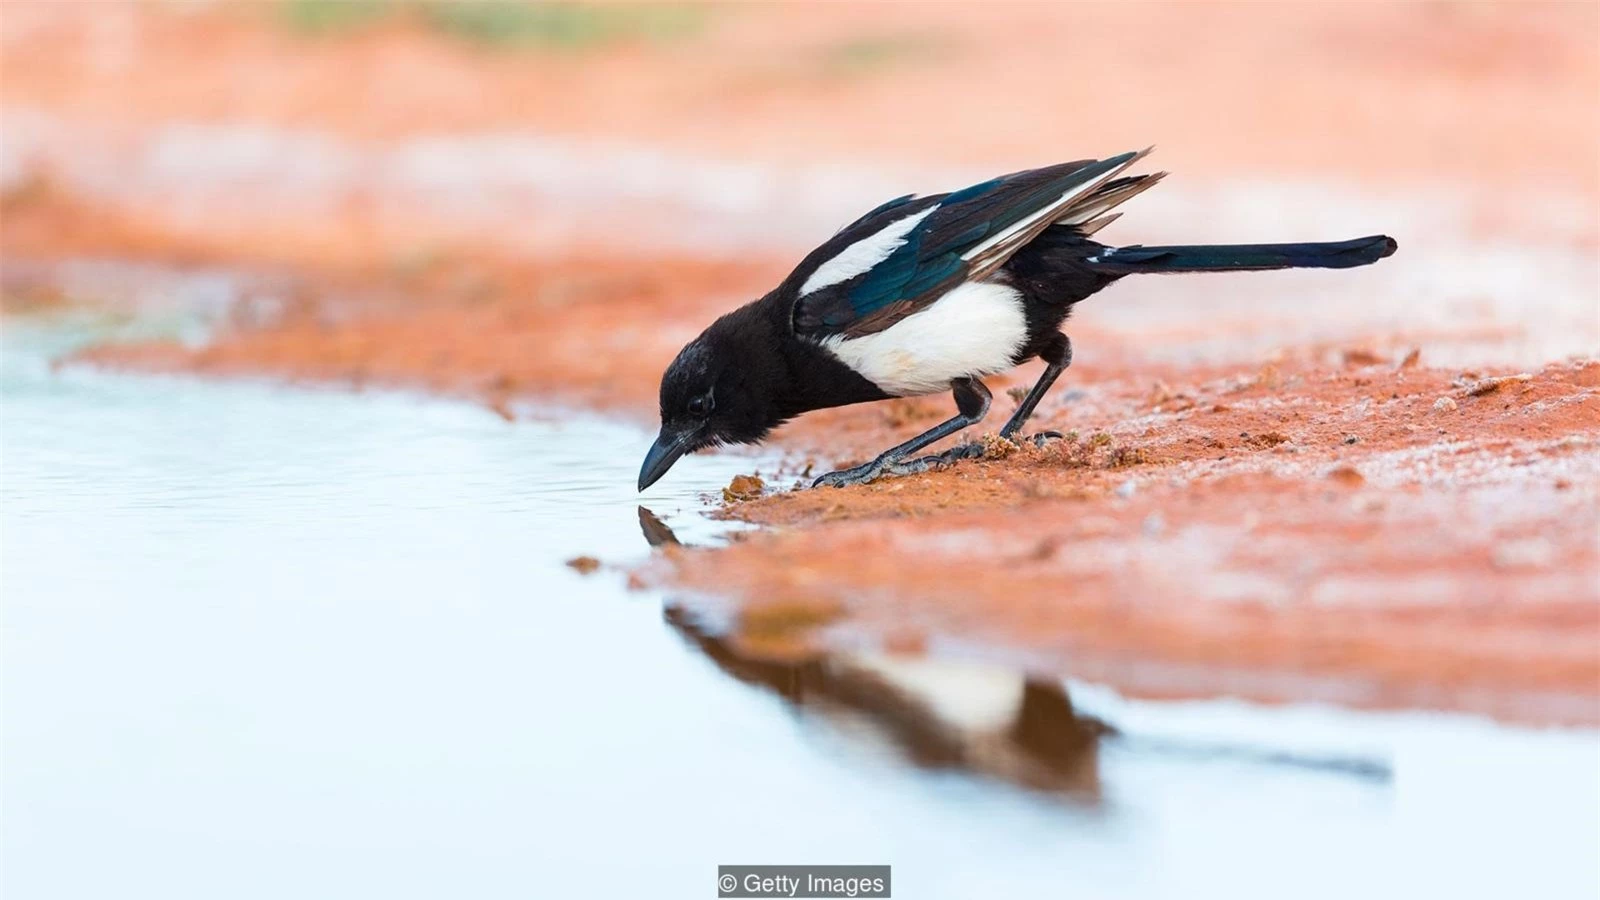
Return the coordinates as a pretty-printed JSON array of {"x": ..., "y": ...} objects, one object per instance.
[{"x": 931, "y": 294}]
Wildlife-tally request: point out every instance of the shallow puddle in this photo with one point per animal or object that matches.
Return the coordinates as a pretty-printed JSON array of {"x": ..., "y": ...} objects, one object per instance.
[{"x": 263, "y": 641}]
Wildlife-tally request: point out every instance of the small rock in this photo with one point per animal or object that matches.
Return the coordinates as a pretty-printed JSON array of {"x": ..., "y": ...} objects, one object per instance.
[
  {"x": 743, "y": 487},
  {"x": 1444, "y": 404},
  {"x": 1412, "y": 358},
  {"x": 584, "y": 564},
  {"x": 1347, "y": 476},
  {"x": 1351, "y": 439},
  {"x": 1486, "y": 386},
  {"x": 1127, "y": 488}
]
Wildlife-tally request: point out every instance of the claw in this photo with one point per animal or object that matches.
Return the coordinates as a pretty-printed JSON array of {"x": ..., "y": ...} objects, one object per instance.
[
  {"x": 973, "y": 450},
  {"x": 862, "y": 474},
  {"x": 1038, "y": 440},
  {"x": 878, "y": 468},
  {"x": 937, "y": 460}
]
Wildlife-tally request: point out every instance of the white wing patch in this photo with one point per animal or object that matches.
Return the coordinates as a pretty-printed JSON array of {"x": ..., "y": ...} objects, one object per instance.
[
  {"x": 974, "y": 329},
  {"x": 864, "y": 254}
]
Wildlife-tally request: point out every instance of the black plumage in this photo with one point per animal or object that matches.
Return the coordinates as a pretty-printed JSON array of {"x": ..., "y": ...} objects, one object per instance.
[{"x": 931, "y": 293}]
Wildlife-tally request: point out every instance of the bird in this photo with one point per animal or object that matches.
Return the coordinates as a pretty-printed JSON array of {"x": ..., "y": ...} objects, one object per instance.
[{"x": 927, "y": 294}]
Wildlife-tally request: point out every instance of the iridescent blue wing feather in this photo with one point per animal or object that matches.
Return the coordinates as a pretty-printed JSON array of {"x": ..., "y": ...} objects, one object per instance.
[{"x": 908, "y": 252}]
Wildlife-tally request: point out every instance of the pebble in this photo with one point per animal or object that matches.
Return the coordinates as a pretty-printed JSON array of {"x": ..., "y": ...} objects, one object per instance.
[
  {"x": 1348, "y": 476},
  {"x": 743, "y": 487},
  {"x": 1444, "y": 404}
]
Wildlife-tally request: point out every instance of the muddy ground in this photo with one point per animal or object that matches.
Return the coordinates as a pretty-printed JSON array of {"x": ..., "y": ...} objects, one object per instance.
[{"x": 1375, "y": 487}]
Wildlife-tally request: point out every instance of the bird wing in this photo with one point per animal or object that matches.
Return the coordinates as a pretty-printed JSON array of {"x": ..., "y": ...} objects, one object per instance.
[{"x": 902, "y": 256}]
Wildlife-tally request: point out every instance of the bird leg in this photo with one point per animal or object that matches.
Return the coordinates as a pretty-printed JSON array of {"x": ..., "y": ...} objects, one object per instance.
[
  {"x": 1057, "y": 355},
  {"x": 972, "y": 402}
]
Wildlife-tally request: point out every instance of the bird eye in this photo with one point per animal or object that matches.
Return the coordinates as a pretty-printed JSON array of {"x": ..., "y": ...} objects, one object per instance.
[{"x": 700, "y": 406}]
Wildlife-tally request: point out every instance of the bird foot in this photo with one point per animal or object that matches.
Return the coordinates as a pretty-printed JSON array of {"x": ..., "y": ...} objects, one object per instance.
[
  {"x": 878, "y": 468},
  {"x": 938, "y": 461},
  {"x": 1038, "y": 440},
  {"x": 869, "y": 472},
  {"x": 865, "y": 473}
]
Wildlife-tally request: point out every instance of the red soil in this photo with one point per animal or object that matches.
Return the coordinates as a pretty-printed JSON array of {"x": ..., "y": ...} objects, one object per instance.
[{"x": 1316, "y": 533}]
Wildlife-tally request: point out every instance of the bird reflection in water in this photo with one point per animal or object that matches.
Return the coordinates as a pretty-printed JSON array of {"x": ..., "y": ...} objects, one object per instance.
[{"x": 986, "y": 721}]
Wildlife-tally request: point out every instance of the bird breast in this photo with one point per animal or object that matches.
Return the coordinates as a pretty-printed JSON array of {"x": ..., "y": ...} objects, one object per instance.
[{"x": 975, "y": 329}]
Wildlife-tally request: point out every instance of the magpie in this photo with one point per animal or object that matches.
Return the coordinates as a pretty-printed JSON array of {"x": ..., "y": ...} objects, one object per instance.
[{"x": 926, "y": 294}]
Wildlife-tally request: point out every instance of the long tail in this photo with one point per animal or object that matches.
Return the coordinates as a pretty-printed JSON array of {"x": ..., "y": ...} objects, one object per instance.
[{"x": 1242, "y": 257}]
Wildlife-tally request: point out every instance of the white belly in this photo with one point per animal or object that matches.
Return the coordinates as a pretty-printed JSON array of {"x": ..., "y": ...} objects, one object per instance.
[{"x": 973, "y": 330}]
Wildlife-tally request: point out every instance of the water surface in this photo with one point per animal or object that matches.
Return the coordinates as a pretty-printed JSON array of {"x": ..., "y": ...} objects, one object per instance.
[{"x": 269, "y": 642}]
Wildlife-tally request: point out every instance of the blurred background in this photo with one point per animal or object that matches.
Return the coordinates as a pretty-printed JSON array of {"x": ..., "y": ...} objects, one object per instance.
[
  {"x": 400, "y": 139},
  {"x": 263, "y": 638}
]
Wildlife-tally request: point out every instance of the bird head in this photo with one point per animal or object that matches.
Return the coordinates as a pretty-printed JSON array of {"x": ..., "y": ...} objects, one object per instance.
[{"x": 722, "y": 388}]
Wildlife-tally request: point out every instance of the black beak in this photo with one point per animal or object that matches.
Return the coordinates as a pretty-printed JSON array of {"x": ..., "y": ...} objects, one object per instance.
[{"x": 663, "y": 453}]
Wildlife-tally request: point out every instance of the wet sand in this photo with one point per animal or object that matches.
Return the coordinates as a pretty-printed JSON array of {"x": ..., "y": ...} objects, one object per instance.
[{"x": 1254, "y": 501}]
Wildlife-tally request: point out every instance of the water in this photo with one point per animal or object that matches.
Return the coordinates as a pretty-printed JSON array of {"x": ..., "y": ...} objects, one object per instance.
[{"x": 270, "y": 642}]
